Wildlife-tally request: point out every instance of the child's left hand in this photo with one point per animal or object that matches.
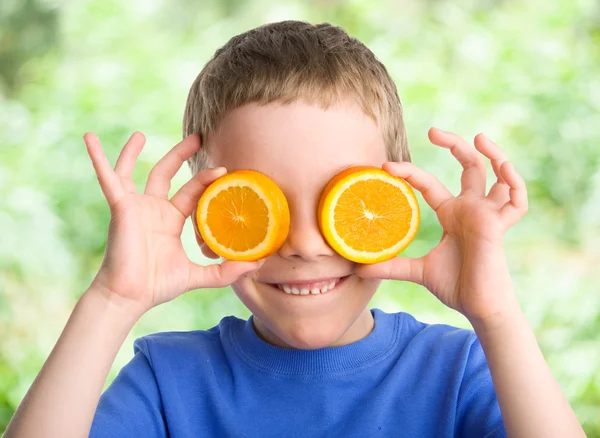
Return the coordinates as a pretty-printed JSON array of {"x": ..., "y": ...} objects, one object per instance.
[{"x": 467, "y": 270}]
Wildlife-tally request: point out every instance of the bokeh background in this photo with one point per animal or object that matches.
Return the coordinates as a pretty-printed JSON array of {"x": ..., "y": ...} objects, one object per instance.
[{"x": 526, "y": 73}]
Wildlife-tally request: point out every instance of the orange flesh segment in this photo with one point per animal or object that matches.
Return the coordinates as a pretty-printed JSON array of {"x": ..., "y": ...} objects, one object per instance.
[
  {"x": 238, "y": 218},
  {"x": 372, "y": 215}
]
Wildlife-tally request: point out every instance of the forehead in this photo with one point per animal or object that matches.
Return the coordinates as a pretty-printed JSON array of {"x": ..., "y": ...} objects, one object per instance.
[{"x": 299, "y": 145}]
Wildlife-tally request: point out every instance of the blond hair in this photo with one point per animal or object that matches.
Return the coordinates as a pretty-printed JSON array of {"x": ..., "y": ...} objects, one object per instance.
[{"x": 288, "y": 61}]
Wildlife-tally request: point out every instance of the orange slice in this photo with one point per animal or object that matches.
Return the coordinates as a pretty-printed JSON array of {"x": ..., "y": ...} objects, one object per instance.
[
  {"x": 367, "y": 215},
  {"x": 243, "y": 215}
]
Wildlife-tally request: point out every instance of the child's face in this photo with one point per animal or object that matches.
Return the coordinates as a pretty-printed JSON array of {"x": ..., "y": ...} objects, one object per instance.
[{"x": 301, "y": 147}]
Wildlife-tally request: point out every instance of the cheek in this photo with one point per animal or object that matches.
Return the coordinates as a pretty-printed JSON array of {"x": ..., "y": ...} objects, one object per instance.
[
  {"x": 366, "y": 289},
  {"x": 249, "y": 294},
  {"x": 242, "y": 288}
]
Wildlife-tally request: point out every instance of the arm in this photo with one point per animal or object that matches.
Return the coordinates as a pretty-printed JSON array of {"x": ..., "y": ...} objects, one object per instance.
[
  {"x": 63, "y": 398},
  {"x": 530, "y": 399},
  {"x": 144, "y": 265},
  {"x": 467, "y": 271}
]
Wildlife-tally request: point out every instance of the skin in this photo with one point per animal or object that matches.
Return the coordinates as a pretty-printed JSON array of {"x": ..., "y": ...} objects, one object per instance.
[
  {"x": 145, "y": 264},
  {"x": 279, "y": 141}
]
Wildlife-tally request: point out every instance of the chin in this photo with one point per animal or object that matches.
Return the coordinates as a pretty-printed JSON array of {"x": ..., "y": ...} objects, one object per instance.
[{"x": 310, "y": 322}]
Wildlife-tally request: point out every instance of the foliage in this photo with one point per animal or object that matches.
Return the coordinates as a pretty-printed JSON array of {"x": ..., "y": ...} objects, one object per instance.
[{"x": 526, "y": 73}]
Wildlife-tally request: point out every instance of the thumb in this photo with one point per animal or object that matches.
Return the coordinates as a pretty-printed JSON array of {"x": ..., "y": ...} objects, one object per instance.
[
  {"x": 398, "y": 268},
  {"x": 220, "y": 275}
]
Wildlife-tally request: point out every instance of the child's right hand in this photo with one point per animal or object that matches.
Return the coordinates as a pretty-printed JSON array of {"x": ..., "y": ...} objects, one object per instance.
[{"x": 145, "y": 264}]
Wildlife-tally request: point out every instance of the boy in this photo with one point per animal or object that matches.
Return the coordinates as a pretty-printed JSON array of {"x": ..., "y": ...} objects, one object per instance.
[{"x": 300, "y": 103}]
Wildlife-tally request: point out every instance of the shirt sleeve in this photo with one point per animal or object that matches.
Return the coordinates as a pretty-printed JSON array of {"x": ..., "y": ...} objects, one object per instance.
[
  {"x": 478, "y": 412},
  {"x": 131, "y": 406}
]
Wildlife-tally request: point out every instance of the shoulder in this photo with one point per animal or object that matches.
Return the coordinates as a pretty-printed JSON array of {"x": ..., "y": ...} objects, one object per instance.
[
  {"x": 186, "y": 346},
  {"x": 437, "y": 345},
  {"x": 432, "y": 336},
  {"x": 450, "y": 360}
]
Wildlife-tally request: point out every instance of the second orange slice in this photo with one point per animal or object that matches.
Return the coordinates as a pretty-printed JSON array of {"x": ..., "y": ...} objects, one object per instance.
[{"x": 367, "y": 215}]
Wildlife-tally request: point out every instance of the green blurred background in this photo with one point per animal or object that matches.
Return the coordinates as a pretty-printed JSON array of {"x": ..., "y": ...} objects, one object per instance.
[{"x": 526, "y": 73}]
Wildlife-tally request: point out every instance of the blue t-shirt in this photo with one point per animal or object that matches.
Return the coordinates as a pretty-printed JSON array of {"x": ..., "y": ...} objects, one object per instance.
[{"x": 405, "y": 379}]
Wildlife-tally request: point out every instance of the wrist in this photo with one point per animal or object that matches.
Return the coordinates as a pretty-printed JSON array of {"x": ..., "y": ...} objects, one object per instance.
[
  {"x": 124, "y": 310},
  {"x": 501, "y": 323}
]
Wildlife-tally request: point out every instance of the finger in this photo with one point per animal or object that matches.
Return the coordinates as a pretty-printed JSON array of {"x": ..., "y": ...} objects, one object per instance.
[
  {"x": 398, "y": 268},
  {"x": 186, "y": 198},
  {"x": 206, "y": 251},
  {"x": 493, "y": 152},
  {"x": 496, "y": 164},
  {"x": 433, "y": 191},
  {"x": 129, "y": 154},
  {"x": 499, "y": 193},
  {"x": 219, "y": 275},
  {"x": 473, "y": 176},
  {"x": 517, "y": 206},
  {"x": 159, "y": 180},
  {"x": 109, "y": 181},
  {"x": 499, "y": 190}
]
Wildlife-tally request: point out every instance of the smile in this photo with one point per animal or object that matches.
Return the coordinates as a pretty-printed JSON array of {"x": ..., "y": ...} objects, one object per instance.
[{"x": 310, "y": 288}]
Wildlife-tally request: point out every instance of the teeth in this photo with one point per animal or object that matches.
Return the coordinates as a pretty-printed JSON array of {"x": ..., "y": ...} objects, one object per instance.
[{"x": 305, "y": 291}]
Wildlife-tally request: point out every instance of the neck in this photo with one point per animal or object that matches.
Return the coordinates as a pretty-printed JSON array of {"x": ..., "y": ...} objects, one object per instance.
[{"x": 360, "y": 328}]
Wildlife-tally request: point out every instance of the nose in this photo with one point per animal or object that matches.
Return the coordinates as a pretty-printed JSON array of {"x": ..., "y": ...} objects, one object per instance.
[{"x": 305, "y": 240}]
